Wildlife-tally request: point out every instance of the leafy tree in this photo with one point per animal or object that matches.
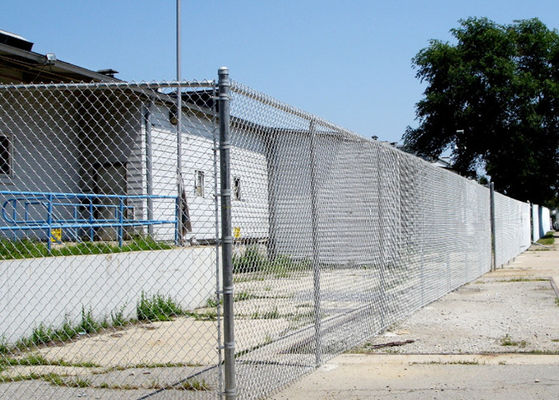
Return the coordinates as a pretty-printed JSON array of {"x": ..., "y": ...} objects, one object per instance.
[{"x": 492, "y": 99}]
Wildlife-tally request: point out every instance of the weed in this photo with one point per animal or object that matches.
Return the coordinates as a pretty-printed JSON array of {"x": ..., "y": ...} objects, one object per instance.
[
  {"x": 555, "y": 340},
  {"x": 79, "y": 382},
  {"x": 507, "y": 341},
  {"x": 241, "y": 296},
  {"x": 35, "y": 359},
  {"x": 54, "y": 379},
  {"x": 88, "y": 323},
  {"x": 213, "y": 303},
  {"x": 274, "y": 314},
  {"x": 525, "y": 280},
  {"x": 458, "y": 362},
  {"x": 193, "y": 384},
  {"x": 157, "y": 308},
  {"x": 250, "y": 261},
  {"x": 19, "y": 378},
  {"x": 164, "y": 365},
  {"x": 117, "y": 317},
  {"x": 557, "y": 301},
  {"x": 548, "y": 239},
  {"x": 4, "y": 347},
  {"x": 541, "y": 352},
  {"x": 203, "y": 316}
]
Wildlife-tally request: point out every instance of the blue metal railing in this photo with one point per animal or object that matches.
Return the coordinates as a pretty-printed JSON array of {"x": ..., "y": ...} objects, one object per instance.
[{"x": 45, "y": 211}]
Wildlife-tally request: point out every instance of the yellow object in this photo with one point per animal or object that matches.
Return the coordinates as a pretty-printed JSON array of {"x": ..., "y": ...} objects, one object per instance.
[
  {"x": 236, "y": 232},
  {"x": 56, "y": 235}
]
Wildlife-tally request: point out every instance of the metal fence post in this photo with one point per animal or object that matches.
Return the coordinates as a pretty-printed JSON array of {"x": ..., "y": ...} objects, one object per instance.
[
  {"x": 493, "y": 232},
  {"x": 315, "y": 249},
  {"x": 226, "y": 236}
]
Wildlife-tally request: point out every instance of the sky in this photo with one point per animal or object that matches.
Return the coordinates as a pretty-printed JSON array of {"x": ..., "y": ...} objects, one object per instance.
[{"x": 346, "y": 61}]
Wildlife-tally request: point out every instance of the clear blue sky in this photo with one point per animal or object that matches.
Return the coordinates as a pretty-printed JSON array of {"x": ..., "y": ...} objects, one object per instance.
[{"x": 346, "y": 61}]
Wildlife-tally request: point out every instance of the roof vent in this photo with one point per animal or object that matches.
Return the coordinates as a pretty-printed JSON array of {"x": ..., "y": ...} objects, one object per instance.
[
  {"x": 108, "y": 72},
  {"x": 11, "y": 39}
]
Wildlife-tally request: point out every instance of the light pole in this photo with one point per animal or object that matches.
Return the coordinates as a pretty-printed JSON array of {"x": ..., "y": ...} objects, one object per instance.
[{"x": 179, "y": 130}]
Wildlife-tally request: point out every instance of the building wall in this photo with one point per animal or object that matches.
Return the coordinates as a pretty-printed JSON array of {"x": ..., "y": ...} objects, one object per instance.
[
  {"x": 248, "y": 162},
  {"x": 45, "y": 145}
]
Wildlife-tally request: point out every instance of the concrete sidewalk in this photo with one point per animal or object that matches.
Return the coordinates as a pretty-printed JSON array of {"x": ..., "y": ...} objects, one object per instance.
[{"x": 495, "y": 338}]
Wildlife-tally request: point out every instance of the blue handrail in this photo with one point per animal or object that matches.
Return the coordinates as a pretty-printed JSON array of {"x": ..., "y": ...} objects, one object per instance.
[{"x": 50, "y": 203}]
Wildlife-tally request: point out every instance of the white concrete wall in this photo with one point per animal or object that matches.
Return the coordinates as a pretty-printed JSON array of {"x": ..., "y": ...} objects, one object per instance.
[{"x": 54, "y": 289}]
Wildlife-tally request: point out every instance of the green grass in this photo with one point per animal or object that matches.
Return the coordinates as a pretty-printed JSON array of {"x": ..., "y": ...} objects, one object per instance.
[
  {"x": 273, "y": 314},
  {"x": 524, "y": 280},
  {"x": 52, "y": 378},
  {"x": 192, "y": 384},
  {"x": 507, "y": 341},
  {"x": 253, "y": 260},
  {"x": 459, "y": 362},
  {"x": 158, "y": 308},
  {"x": 548, "y": 239},
  {"x": 35, "y": 359},
  {"x": 44, "y": 334},
  {"x": 557, "y": 301},
  {"x": 202, "y": 316},
  {"x": 148, "y": 309},
  {"x": 25, "y": 248}
]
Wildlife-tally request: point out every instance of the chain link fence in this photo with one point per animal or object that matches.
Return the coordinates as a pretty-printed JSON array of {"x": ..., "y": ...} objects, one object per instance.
[
  {"x": 109, "y": 258},
  {"x": 111, "y": 240},
  {"x": 361, "y": 235}
]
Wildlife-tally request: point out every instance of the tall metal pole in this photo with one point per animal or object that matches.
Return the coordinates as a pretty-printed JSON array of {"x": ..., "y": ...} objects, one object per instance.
[
  {"x": 315, "y": 247},
  {"x": 179, "y": 123},
  {"x": 226, "y": 236},
  {"x": 493, "y": 232}
]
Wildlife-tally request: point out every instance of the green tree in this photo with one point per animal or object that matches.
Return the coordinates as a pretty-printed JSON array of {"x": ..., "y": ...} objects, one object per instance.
[{"x": 492, "y": 99}]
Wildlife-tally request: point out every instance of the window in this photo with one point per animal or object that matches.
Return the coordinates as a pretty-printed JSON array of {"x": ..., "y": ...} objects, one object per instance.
[
  {"x": 236, "y": 188},
  {"x": 5, "y": 155},
  {"x": 199, "y": 183}
]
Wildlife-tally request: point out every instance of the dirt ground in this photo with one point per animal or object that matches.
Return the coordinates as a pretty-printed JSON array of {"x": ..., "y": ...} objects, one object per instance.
[{"x": 495, "y": 338}]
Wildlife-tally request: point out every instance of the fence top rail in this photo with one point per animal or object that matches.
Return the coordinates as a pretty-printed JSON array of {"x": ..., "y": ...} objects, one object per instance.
[
  {"x": 243, "y": 90},
  {"x": 56, "y": 195},
  {"x": 110, "y": 85}
]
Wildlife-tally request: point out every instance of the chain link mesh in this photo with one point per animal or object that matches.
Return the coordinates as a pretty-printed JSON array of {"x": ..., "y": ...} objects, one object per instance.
[
  {"x": 360, "y": 235},
  {"x": 109, "y": 257}
]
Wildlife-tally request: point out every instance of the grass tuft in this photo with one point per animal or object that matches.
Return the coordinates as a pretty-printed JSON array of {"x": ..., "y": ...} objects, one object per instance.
[
  {"x": 548, "y": 239},
  {"x": 507, "y": 341},
  {"x": 158, "y": 308}
]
